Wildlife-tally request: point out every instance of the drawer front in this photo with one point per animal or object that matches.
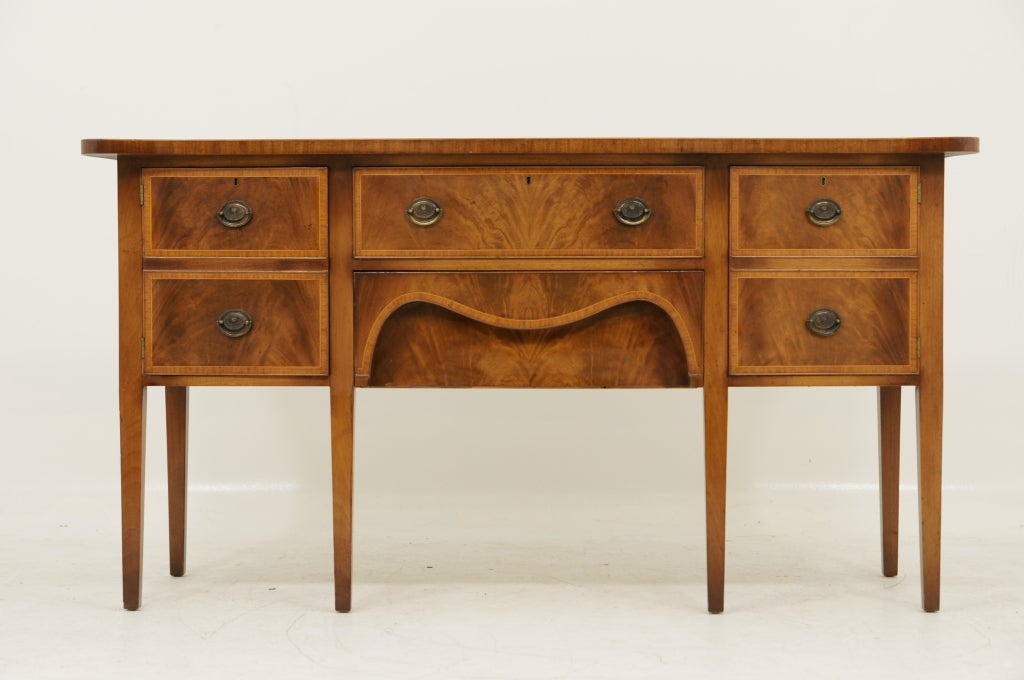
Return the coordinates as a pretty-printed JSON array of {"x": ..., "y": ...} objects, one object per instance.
[
  {"x": 857, "y": 211},
  {"x": 475, "y": 329},
  {"x": 780, "y": 322},
  {"x": 529, "y": 212},
  {"x": 261, "y": 212},
  {"x": 237, "y": 323}
]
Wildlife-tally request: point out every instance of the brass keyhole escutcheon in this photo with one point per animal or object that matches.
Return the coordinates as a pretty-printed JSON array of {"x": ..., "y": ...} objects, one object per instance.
[
  {"x": 234, "y": 323},
  {"x": 234, "y": 214}
]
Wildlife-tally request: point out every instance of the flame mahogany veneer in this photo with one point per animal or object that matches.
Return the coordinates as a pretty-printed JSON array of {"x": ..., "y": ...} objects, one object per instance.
[{"x": 699, "y": 263}]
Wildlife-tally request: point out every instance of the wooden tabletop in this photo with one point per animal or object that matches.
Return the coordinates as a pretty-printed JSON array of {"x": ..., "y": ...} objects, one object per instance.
[{"x": 113, "y": 148}]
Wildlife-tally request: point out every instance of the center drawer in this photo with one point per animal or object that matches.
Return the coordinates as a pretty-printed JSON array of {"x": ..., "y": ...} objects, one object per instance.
[
  {"x": 529, "y": 212},
  {"x": 529, "y": 329}
]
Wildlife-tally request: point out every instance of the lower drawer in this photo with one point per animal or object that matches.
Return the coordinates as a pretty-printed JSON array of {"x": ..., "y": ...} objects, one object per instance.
[
  {"x": 823, "y": 322},
  {"x": 235, "y": 323},
  {"x": 529, "y": 329}
]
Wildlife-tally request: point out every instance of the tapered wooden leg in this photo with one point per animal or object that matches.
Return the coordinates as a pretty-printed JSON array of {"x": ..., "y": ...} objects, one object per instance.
[
  {"x": 341, "y": 474},
  {"x": 133, "y": 477},
  {"x": 177, "y": 473},
  {"x": 716, "y": 409},
  {"x": 889, "y": 475},
  {"x": 929, "y": 465}
]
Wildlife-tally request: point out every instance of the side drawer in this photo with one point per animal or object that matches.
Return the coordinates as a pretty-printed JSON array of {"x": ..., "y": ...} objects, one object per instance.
[
  {"x": 782, "y": 322},
  {"x": 260, "y": 212},
  {"x": 823, "y": 211},
  {"x": 235, "y": 323},
  {"x": 529, "y": 212}
]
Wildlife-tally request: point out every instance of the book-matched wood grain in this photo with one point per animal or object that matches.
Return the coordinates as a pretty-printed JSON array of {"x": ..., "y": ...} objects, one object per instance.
[
  {"x": 528, "y": 280},
  {"x": 289, "y": 329},
  {"x": 528, "y": 212},
  {"x": 529, "y": 329},
  {"x": 768, "y": 322},
  {"x": 768, "y": 211},
  {"x": 289, "y": 212}
]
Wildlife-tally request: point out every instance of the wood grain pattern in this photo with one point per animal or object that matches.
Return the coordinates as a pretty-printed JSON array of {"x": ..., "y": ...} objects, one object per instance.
[
  {"x": 132, "y": 390},
  {"x": 716, "y": 390},
  {"x": 176, "y": 409},
  {"x": 633, "y": 344},
  {"x": 561, "y": 147},
  {"x": 930, "y": 388},
  {"x": 564, "y": 329},
  {"x": 769, "y": 310},
  {"x": 528, "y": 212},
  {"x": 289, "y": 212},
  {"x": 530, "y": 289},
  {"x": 768, "y": 213},
  {"x": 889, "y": 401},
  {"x": 342, "y": 356},
  {"x": 289, "y": 313}
]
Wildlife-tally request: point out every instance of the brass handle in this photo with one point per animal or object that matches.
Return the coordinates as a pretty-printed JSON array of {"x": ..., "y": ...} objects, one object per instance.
[
  {"x": 824, "y": 212},
  {"x": 234, "y": 214},
  {"x": 824, "y": 322},
  {"x": 234, "y": 323},
  {"x": 632, "y": 211},
  {"x": 424, "y": 211}
]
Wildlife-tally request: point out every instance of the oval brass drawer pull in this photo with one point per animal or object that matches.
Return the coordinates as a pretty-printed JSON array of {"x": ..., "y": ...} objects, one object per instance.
[
  {"x": 424, "y": 211},
  {"x": 632, "y": 211},
  {"x": 824, "y": 212},
  {"x": 823, "y": 322},
  {"x": 234, "y": 323},
  {"x": 234, "y": 214}
]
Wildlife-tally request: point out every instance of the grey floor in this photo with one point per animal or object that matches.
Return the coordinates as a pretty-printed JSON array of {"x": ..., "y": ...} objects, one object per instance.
[{"x": 504, "y": 586}]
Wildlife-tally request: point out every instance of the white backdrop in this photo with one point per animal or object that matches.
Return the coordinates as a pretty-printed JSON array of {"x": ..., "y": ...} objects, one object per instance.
[{"x": 477, "y": 68}]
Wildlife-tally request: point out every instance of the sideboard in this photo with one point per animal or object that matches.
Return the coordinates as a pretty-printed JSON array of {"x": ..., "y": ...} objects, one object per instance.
[{"x": 699, "y": 263}]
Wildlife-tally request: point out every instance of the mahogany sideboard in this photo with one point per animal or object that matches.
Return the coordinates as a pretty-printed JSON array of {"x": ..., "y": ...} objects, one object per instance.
[{"x": 710, "y": 263}]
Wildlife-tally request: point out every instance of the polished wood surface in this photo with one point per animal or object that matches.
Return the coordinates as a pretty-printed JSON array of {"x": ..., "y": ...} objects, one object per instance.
[
  {"x": 563, "y": 148},
  {"x": 528, "y": 212},
  {"x": 289, "y": 212},
  {"x": 528, "y": 280},
  {"x": 289, "y": 323},
  {"x": 176, "y": 409},
  {"x": 889, "y": 403},
  {"x": 769, "y": 312},
  {"x": 618, "y": 329},
  {"x": 930, "y": 387},
  {"x": 768, "y": 214},
  {"x": 716, "y": 385}
]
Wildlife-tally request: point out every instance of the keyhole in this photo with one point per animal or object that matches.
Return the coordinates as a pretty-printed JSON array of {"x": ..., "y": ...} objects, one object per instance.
[
  {"x": 528, "y": 179},
  {"x": 236, "y": 182},
  {"x": 823, "y": 181}
]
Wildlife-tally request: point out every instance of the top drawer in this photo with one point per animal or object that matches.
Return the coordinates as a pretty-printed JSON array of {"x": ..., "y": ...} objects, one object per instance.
[
  {"x": 529, "y": 212},
  {"x": 258, "y": 212},
  {"x": 824, "y": 211}
]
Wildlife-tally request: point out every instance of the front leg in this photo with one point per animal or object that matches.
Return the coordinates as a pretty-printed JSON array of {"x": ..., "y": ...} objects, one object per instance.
[{"x": 177, "y": 473}]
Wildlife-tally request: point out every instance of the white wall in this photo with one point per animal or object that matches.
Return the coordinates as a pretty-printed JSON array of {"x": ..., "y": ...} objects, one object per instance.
[{"x": 473, "y": 68}]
